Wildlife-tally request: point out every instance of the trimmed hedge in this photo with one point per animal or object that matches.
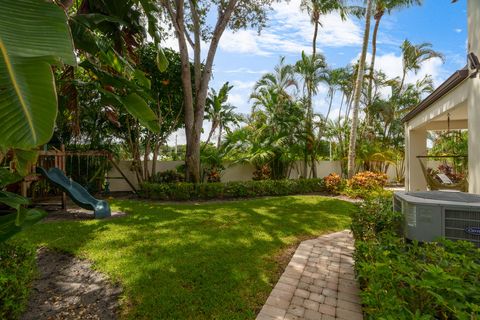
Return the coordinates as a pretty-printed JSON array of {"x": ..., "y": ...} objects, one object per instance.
[
  {"x": 17, "y": 269},
  {"x": 218, "y": 190},
  {"x": 403, "y": 280}
]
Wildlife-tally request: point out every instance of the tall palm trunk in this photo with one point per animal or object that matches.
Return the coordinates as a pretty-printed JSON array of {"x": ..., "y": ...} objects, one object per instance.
[
  {"x": 404, "y": 74},
  {"x": 331, "y": 94},
  {"x": 220, "y": 131},
  {"x": 309, "y": 113},
  {"x": 358, "y": 91},
  {"x": 310, "y": 100},
  {"x": 341, "y": 106},
  {"x": 378, "y": 16},
  {"x": 212, "y": 131}
]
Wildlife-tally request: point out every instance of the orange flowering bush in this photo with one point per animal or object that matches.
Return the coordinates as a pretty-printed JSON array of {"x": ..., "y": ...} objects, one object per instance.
[
  {"x": 333, "y": 183},
  {"x": 368, "y": 180}
]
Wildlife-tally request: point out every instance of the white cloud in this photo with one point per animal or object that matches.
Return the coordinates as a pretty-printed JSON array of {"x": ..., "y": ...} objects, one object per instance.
[
  {"x": 244, "y": 70},
  {"x": 170, "y": 42},
  {"x": 391, "y": 65},
  {"x": 458, "y": 30},
  {"x": 243, "y": 85},
  {"x": 239, "y": 97},
  {"x": 239, "y": 100},
  {"x": 290, "y": 31},
  {"x": 334, "y": 31},
  {"x": 242, "y": 41},
  {"x": 334, "y": 113}
]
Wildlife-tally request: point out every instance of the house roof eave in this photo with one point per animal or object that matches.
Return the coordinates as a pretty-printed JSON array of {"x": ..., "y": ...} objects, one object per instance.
[{"x": 453, "y": 81}]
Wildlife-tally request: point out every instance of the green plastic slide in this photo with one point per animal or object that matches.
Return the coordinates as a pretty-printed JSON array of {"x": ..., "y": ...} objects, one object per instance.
[{"x": 76, "y": 192}]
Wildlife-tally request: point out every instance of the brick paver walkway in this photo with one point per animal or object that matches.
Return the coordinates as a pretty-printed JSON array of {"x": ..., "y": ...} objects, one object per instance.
[{"x": 318, "y": 283}]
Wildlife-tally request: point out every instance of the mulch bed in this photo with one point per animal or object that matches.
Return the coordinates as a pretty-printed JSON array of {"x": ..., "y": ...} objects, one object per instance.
[
  {"x": 68, "y": 288},
  {"x": 75, "y": 214}
]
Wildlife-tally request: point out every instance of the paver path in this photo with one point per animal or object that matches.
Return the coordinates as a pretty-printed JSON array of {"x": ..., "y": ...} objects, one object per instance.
[{"x": 318, "y": 283}]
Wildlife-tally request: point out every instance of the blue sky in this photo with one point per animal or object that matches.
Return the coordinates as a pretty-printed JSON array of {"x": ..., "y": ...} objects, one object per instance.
[{"x": 244, "y": 56}]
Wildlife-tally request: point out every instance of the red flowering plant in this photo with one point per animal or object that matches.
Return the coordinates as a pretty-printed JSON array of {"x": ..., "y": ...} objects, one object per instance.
[
  {"x": 368, "y": 180},
  {"x": 333, "y": 183}
]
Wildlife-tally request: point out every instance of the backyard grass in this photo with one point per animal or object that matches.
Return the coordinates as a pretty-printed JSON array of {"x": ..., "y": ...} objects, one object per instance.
[{"x": 195, "y": 261}]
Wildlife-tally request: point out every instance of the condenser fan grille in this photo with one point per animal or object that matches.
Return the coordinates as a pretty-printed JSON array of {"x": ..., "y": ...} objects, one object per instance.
[{"x": 462, "y": 225}]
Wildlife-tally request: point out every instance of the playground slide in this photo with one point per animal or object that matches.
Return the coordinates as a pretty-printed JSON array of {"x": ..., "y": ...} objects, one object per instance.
[{"x": 76, "y": 192}]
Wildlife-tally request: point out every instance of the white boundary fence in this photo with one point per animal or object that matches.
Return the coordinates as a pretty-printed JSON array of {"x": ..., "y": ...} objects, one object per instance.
[{"x": 236, "y": 172}]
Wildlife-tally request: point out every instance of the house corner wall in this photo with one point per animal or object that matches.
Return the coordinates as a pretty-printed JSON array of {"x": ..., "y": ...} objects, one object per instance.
[
  {"x": 415, "y": 145},
  {"x": 474, "y": 100}
]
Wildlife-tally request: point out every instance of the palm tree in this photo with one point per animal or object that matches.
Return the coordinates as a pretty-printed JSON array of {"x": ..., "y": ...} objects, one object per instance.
[
  {"x": 358, "y": 91},
  {"x": 382, "y": 6},
  {"x": 414, "y": 55},
  {"x": 281, "y": 80},
  {"x": 312, "y": 70},
  {"x": 275, "y": 122},
  {"x": 220, "y": 113},
  {"x": 317, "y": 8}
]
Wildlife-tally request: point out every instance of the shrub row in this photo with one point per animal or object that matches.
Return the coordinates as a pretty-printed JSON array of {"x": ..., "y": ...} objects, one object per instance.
[
  {"x": 403, "y": 280},
  {"x": 218, "y": 190},
  {"x": 17, "y": 268}
]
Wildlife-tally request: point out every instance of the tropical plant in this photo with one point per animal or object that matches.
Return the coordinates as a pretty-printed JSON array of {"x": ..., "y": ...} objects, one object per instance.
[
  {"x": 357, "y": 92},
  {"x": 312, "y": 71},
  {"x": 413, "y": 56},
  {"x": 34, "y": 36},
  {"x": 220, "y": 113},
  {"x": 382, "y": 6},
  {"x": 317, "y": 8},
  {"x": 274, "y": 129},
  {"x": 190, "y": 20}
]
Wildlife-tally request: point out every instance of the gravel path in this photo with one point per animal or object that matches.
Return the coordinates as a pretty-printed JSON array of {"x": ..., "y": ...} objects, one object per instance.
[{"x": 68, "y": 288}]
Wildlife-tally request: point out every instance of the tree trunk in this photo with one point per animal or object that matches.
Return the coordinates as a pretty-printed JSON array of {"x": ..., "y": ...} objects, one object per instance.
[
  {"x": 315, "y": 35},
  {"x": 195, "y": 109},
  {"x": 358, "y": 91},
  {"x": 146, "y": 156},
  {"x": 219, "y": 141},
  {"x": 156, "y": 149},
  {"x": 314, "y": 166},
  {"x": 400, "y": 89},
  {"x": 309, "y": 138},
  {"x": 341, "y": 106},
  {"x": 212, "y": 130},
  {"x": 332, "y": 94},
  {"x": 378, "y": 17}
]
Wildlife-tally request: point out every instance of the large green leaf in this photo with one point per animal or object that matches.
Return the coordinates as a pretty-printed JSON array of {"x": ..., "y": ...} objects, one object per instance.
[
  {"x": 24, "y": 160},
  {"x": 13, "y": 200},
  {"x": 33, "y": 35},
  {"x": 139, "y": 109},
  {"x": 162, "y": 61},
  {"x": 13, "y": 223},
  {"x": 8, "y": 177}
]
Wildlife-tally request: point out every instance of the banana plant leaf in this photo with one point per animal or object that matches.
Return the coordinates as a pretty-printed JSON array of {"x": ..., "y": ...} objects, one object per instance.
[
  {"x": 12, "y": 223},
  {"x": 34, "y": 34}
]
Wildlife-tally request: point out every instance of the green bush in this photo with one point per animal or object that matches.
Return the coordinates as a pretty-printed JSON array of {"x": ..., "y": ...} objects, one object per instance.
[
  {"x": 169, "y": 176},
  {"x": 240, "y": 189},
  {"x": 375, "y": 215},
  {"x": 17, "y": 268},
  {"x": 364, "y": 193},
  {"x": 402, "y": 280}
]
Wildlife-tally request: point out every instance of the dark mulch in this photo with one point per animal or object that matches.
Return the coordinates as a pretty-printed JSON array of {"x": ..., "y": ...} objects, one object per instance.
[{"x": 68, "y": 288}]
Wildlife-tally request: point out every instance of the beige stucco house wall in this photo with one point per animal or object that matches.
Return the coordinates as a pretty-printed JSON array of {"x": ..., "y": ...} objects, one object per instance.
[{"x": 459, "y": 97}]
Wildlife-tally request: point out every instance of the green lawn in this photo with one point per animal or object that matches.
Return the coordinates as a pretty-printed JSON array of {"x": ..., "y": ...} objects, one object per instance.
[{"x": 195, "y": 261}]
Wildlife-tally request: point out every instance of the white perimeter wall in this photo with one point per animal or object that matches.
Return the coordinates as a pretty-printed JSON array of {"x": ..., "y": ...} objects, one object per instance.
[{"x": 236, "y": 172}]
